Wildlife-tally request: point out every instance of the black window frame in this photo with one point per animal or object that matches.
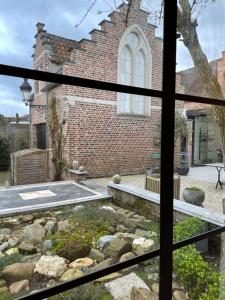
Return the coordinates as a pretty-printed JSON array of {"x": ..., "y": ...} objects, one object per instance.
[{"x": 169, "y": 97}]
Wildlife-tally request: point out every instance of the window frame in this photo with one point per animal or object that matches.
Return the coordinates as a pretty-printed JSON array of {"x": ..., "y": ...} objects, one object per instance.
[{"x": 169, "y": 97}]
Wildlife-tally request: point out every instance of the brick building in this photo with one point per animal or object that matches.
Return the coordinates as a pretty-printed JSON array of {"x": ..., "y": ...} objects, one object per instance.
[
  {"x": 204, "y": 142},
  {"x": 106, "y": 132}
]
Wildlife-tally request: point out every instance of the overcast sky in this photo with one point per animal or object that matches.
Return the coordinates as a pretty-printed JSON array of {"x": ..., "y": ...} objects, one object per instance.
[{"x": 17, "y": 30}]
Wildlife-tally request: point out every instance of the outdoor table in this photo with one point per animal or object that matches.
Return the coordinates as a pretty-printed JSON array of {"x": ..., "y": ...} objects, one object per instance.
[{"x": 219, "y": 167}]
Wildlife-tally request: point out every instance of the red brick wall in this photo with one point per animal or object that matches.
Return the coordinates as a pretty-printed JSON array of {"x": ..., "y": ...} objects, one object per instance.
[{"x": 101, "y": 140}]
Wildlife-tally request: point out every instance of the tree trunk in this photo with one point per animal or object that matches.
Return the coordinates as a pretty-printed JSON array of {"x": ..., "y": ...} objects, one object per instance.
[{"x": 187, "y": 27}]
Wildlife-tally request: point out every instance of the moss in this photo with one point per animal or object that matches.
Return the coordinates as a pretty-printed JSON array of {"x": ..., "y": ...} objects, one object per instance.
[{"x": 143, "y": 276}]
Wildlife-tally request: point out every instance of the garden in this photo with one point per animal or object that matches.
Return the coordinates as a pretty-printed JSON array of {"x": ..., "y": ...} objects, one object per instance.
[{"x": 45, "y": 248}]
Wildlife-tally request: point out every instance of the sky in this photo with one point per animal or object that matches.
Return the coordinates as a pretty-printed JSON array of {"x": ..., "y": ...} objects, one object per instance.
[{"x": 17, "y": 30}]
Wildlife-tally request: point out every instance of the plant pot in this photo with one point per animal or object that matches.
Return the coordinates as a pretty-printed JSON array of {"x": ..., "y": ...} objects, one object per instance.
[
  {"x": 193, "y": 197},
  {"x": 182, "y": 171}
]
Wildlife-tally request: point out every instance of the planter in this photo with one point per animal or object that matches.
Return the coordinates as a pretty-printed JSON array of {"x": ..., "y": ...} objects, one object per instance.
[
  {"x": 182, "y": 171},
  {"x": 193, "y": 196}
]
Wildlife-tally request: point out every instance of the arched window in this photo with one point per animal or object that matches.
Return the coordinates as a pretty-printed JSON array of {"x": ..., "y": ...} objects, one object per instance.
[{"x": 134, "y": 68}]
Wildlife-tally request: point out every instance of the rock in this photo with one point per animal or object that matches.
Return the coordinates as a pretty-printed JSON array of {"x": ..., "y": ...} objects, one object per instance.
[
  {"x": 13, "y": 242},
  {"x": 81, "y": 263},
  {"x": 71, "y": 274},
  {"x": 78, "y": 207},
  {"x": 19, "y": 287},
  {"x": 121, "y": 288},
  {"x": 2, "y": 283},
  {"x": 145, "y": 233},
  {"x": 144, "y": 224},
  {"x": 179, "y": 295},
  {"x": 121, "y": 228},
  {"x": 51, "y": 266},
  {"x": 10, "y": 222},
  {"x": 97, "y": 255},
  {"x": 33, "y": 232},
  {"x": 155, "y": 288},
  {"x": 27, "y": 247},
  {"x": 142, "y": 245},
  {"x": 50, "y": 226},
  {"x": 109, "y": 208},
  {"x": 127, "y": 236},
  {"x": 18, "y": 271},
  {"x": 127, "y": 256},
  {"x": 142, "y": 294},
  {"x": 11, "y": 251},
  {"x": 32, "y": 258},
  {"x": 5, "y": 231},
  {"x": 73, "y": 250},
  {"x": 81, "y": 168},
  {"x": 108, "y": 277},
  {"x": 51, "y": 283},
  {"x": 4, "y": 246},
  {"x": 104, "y": 264},
  {"x": 41, "y": 221},
  {"x": 154, "y": 277},
  {"x": 26, "y": 218},
  {"x": 47, "y": 245},
  {"x": 3, "y": 238},
  {"x": 116, "y": 179},
  {"x": 3, "y": 289},
  {"x": 104, "y": 241},
  {"x": 1, "y": 254},
  {"x": 117, "y": 248},
  {"x": 63, "y": 226}
]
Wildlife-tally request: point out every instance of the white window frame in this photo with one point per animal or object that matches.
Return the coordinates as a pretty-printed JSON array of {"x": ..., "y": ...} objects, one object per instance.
[{"x": 144, "y": 47}]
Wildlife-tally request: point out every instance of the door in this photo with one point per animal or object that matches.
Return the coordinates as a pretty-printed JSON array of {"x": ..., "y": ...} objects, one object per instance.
[{"x": 41, "y": 136}]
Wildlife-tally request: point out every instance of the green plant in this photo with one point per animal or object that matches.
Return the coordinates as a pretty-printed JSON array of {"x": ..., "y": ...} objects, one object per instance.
[
  {"x": 143, "y": 276},
  {"x": 5, "y": 154},
  {"x": 10, "y": 259},
  {"x": 194, "y": 189},
  {"x": 5, "y": 296}
]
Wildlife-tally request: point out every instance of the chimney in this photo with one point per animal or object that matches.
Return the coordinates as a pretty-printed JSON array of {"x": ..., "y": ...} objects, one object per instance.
[{"x": 40, "y": 27}]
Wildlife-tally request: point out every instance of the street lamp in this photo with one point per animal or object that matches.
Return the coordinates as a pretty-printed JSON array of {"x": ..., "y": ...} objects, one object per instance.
[{"x": 26, "y": 91}]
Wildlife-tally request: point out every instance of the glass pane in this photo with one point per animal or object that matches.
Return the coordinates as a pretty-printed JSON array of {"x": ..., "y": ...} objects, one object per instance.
[
  {"x": 84, "y": 40},
  {"x": 200, "y": 59}
]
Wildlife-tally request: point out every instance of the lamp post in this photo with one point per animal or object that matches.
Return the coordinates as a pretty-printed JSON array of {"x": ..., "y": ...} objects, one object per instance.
[{"x": 27, "y": 98}]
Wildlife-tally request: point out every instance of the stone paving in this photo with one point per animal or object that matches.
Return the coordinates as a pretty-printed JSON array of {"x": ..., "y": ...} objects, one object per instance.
[{"x": 201, "y": 177}]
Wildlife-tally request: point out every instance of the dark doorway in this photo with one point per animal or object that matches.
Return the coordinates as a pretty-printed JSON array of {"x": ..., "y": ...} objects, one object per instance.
[{"x": 41, "y": 136}]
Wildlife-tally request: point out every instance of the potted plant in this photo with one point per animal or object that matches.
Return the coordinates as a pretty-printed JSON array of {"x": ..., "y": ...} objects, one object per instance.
[{"x": 193, "y": 195}]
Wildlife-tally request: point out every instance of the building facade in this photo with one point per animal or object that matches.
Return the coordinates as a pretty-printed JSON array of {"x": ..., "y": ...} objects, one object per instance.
[{"x": 106, "y": 132}]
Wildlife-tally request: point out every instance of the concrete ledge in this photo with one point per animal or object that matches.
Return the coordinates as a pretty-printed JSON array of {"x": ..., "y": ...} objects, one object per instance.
[{"x": 125, "y": 196}]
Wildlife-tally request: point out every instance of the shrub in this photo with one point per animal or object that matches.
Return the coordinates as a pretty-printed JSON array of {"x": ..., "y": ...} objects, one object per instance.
[
  {"x": 5, "y": 154},
  {"x": 9, "y": 260}
]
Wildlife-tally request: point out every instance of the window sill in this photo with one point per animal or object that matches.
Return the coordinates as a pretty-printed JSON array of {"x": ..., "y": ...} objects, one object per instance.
[{"x": 132, "y": 116}]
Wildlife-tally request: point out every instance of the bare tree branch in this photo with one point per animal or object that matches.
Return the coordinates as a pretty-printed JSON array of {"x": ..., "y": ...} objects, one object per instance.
[{"x": 85, "y": 15}]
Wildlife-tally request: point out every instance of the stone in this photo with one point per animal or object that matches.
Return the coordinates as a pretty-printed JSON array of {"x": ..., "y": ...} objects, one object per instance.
[
  {"x": 117, "y": 247},
  {"x": 104, "y": 241},
  {"x": 109, "y": 277},
  {"x": 96, "y": 255},
  {"x": 27, "y": 247},
  {"x": 34, "y": 258},
  {"x": 5, "y": 231},
  {"x": 3, "y": 238},
  {"x": 116, "y": 179},
  {"x": 10, "y": 222},
  {"x": 26, "y": 218},
  {"x": 144, "y": 233},
  {"x": 127, "y": 236},
  {"x": 104, "y": 264},
  {"x": 121, "y": 228},
  {"x": 63, "y": 226},
  {"x": 33, "y": 232},
  {"x": 71, "y": 274},
  {"x": 18, "y": 271},
  {"x": 109, "y": 208},
  {"x": 4, "y": 246},
  {"x": 127, "y": 256},
  {"x": 81, "y": 168},
  {"x": 51, "y": 266},
  {"x": 142, "y": 294},
  {"x": 155, "y": 288},
  {"x": 154, "y": 277},
  {"x": 41, "y": 221},
  {"x": 78, "y": 207},
  {"x": 11, "y": 251},
  {"x": 51, "y": 283},
  {"x": 19, "y": 287},
  {"x": 144, "y": 224},
  {"x": 50, "y": 226},
  {"x": 1, "y": 254},
  {"x": 47, "y": 245},
  {"x": 3, "y": 289},
  {"x": 13, "y": 242},
  {"x": 142, "y": 245},
  {"x": 2, "y": 283},
  {"x": 121, "y": 288},
  {"x": 80, "y": 263},
  {"x": 73, "y": 250},
  {"x": 179, "y": 295}
]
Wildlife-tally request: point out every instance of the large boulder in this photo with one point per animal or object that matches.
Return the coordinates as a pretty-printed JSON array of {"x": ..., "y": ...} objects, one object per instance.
[
  {"x": 18, "y": 271},
  {"x": 80, "y": 263},
  {"x": 71, "y": 274},
  {"x": 33, "y": 232},
  {"x": 104, "y": 241},
  {"x": 117, "y": 248},
  {"x": 121, "y": 288},
  {"x": 73, "y": 250},
  {"x": 51, "y": 266},
  {"x": 19, "y": 287},
  {"x": 142, "y": 245}
]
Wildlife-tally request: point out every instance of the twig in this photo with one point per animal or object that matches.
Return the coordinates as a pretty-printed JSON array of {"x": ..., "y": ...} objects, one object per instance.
[{"x": 85, "y": 15}]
